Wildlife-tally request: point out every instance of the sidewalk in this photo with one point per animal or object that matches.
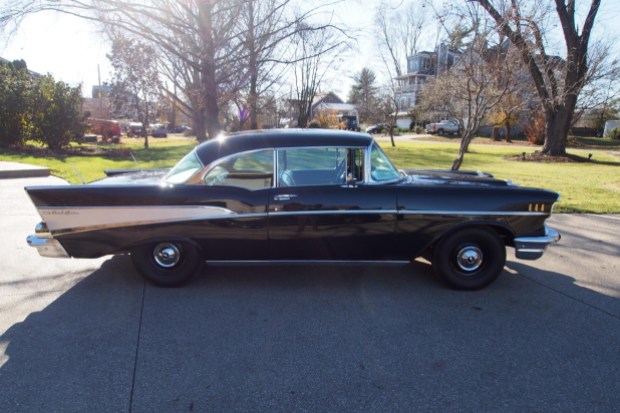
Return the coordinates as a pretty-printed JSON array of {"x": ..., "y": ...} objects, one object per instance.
[{"x": 18, "y": 170}]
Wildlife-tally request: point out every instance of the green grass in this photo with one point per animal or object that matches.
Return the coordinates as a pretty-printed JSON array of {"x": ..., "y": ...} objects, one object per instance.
[
  {"x": 587, "y": 142},
  {"x": 162, "y": 153},
  {"x": 590, "y": 187}
]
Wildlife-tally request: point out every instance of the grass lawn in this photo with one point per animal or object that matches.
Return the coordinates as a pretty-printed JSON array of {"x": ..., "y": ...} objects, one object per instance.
[
  {"x": 161, "y": 153},
  {"x": 589, "y": 187}
]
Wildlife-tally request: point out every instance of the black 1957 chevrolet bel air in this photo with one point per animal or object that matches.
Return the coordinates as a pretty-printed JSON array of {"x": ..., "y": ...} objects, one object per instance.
[{"x": 295, "y": 196}]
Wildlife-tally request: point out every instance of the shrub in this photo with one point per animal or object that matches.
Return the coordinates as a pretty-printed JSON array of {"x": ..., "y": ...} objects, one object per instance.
[
  {"x": 535, "y": 130},
  {"x": 56, "y": 119},
  {"x": 15, "y": 93},
  {"x": 40, "y": 108}
]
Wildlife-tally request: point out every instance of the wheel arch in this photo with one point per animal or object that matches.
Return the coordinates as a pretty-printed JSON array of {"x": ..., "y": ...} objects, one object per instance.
[
  {"x": 502, "y": 230},
  {"x": 161, "y": 238}
]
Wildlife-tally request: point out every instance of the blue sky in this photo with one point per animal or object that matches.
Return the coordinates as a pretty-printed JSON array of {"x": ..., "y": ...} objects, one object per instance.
[{"x": 72, "y": 50}]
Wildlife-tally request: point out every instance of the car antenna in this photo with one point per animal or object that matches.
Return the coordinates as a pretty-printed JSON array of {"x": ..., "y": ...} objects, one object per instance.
[
  {"x": 135, "y": 160},
  {"x": 77, "y": 172}
]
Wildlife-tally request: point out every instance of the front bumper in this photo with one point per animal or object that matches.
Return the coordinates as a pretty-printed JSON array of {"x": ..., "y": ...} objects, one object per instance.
[
  {"x": 532, "y": 248},
  {"x": 47, "y": 247}
]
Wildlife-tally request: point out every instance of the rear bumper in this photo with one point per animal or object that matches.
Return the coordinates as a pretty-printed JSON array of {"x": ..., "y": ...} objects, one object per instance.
[
  {"x": 47, "y": 247},
  {"x": 532, "y": 248}
]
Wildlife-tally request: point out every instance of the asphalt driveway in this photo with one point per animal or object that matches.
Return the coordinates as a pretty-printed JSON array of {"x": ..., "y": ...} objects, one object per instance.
[{"x": 91, "y": 336}]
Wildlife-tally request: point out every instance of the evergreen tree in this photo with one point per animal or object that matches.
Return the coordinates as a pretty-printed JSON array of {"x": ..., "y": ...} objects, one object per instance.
[{"x": 364, "y": 93}]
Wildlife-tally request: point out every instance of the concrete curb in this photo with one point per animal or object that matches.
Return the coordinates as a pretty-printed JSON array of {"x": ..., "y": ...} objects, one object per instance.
[{"x": 10, "y": 170}]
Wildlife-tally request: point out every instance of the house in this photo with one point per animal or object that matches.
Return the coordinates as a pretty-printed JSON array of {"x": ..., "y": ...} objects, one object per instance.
[
  {"x": 322, "y": 103},
  {"x": 421, "y": 67}
]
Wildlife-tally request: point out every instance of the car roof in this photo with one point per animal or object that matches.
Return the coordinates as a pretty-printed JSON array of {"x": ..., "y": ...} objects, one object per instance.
[{"x": 278, "y": 138}]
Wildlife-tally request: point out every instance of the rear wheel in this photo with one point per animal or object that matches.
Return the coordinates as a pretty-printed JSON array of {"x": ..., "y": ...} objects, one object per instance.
[
  {"x": 167, "y": 263},
  {"x": 469, "y": 259}
]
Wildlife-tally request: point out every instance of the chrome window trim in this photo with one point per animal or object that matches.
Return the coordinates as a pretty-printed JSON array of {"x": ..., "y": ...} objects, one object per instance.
[
  {"x": 209, "y": 167},
  {"x": 369, "y": 166},
  {"x": 198, "y": 172},
  {"x": 344, "y": 148}
]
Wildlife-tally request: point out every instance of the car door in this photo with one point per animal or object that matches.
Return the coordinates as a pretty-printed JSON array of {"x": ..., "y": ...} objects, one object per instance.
[
  {"x": 321, "y": 209},
  {"x": 240, "y": 186}
]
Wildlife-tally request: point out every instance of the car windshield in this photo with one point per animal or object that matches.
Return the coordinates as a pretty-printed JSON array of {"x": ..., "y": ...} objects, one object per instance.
[
  {"x": 184, "y": 169},
  {"x": 381, "y": 168}
]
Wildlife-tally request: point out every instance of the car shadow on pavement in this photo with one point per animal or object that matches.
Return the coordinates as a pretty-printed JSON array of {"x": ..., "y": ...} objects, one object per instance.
[
  {"x": 598, "y": 298},
  {"x": 297, "y": 338}
]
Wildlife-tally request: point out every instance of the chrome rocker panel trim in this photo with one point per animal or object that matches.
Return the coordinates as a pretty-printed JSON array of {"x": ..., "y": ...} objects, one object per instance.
[
  {"x": 532, "y": 248},
  {"x": 47, "y": 247}
]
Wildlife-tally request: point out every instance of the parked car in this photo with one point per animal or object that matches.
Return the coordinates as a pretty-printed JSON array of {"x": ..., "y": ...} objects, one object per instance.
[
  {"x": 350, "y": 122},
  {"x": 181, "y": 129},
  {"x": 110, "y": 130},
  {"x": 159, "y": 131},
  {"x": 377, "y": 128},
  {"x": 296, "y": 196},
  {"x": 444, "y": 127},
  {"x": 134, "y": 129}
]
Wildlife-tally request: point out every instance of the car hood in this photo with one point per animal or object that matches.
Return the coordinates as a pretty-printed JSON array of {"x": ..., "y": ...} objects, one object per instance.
[{"x": 444, "y": 177}]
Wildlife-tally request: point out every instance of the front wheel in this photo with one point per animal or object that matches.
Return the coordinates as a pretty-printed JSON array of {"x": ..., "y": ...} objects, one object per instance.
[
  {"x": 168, "y": 263},
  {"x": 469, "y": 259}
]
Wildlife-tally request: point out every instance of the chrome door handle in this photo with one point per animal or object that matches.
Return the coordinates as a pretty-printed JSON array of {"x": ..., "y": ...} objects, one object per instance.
[{"x": 284, "y": 197}]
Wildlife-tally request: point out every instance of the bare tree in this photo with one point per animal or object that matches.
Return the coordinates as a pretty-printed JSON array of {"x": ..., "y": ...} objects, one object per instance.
[
  {"x": 399, "y": 36},
  {"x": 136, "y": 85},
  {"x": 316, "y": 52},
  {"x": 199, "y": 37},
  {"x": 472, "y": 88},
  {"x": 212, "y": 52},
  {"x": 400, "y": 32},
  {"x": 196, "y": 38},
  {"x": 266, "y": 29},
  {"x": 558, "y": 82}
]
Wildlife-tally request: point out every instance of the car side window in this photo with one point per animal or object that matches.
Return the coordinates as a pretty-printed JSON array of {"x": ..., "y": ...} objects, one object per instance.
[
  {"x": 250, "y": 170},
  {"x": 381, "y": 169},
  {"x": 312, "y": 166}
]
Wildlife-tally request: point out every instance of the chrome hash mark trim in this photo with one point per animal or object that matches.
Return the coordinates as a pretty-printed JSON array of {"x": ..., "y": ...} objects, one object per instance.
[
  {"x": 304, "y": 262},
  {"x": 81, "y": 219},
  {"x": 61, "y": 220}
]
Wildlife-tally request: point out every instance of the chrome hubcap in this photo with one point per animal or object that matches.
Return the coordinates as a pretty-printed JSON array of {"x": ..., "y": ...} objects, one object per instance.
[
  {"x": 469, "y": 258},
  {"x": 166, "y": 255}
]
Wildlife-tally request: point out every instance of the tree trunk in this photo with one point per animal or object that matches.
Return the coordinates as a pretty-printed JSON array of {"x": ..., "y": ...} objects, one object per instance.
[
  {"x": 198, "y": 123},
  {"x": 212, "y": 110},
  {"x": 557, "y": 125},
  {"x": 463, "y": 149},
  {"x": 507, "y": 128},
  {"x": 253, "y": 102},
  {"x": 145, "y": 122},
  {"x": 253, "y": 69},
  {"x": 495, "y": 134},
  {"x": 208, "y": 72}
]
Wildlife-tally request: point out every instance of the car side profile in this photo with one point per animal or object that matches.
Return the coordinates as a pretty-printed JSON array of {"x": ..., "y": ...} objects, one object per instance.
[{"x": 294, "y": 196}]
